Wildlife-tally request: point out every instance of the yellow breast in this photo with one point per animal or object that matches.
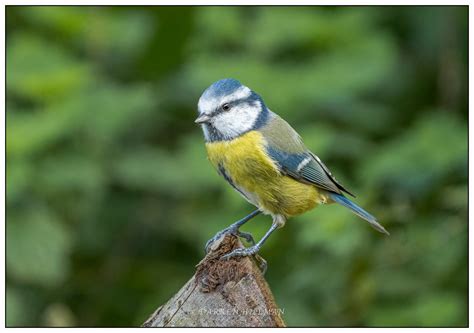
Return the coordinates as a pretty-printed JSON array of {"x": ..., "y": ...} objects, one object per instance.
[{"x": 246, "y": 163}]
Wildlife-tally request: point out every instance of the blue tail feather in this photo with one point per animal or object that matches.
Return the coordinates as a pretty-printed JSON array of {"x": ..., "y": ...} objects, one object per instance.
[{"x": 342, "y": 200}]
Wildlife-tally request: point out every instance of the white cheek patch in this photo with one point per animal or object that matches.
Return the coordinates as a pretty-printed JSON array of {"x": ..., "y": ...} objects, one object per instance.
[{"x": 236, "y": 121}]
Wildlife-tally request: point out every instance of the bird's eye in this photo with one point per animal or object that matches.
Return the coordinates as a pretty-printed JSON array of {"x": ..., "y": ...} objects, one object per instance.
[{"x": 226, "y": 107}]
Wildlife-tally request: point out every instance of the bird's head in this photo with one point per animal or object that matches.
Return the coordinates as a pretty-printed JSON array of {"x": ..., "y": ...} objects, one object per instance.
[{"x": 228, "y": 109}]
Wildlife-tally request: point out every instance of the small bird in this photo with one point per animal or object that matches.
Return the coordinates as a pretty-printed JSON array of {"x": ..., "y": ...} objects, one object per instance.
[{"x": 263, "y": 158}]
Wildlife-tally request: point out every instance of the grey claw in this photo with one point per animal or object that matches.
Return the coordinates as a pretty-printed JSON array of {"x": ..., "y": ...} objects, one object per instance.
[
  {"x": 241, "y": 252},
  {"x": 247, "y": 236},
  {"x": 211, "y": 241},
  {"x": 219, "y": 235},
  {"x": 251, "y": 251},
  {"x": 208, "y": 244},
  {"x": 235, "y": 253}
]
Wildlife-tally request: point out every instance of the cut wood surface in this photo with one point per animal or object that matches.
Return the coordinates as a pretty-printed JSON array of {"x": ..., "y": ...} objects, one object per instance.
[{"x": 222, "y": 293}]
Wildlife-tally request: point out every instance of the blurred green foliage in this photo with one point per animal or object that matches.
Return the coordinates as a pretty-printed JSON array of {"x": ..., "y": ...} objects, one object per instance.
[{"x": 110, "y": 198}]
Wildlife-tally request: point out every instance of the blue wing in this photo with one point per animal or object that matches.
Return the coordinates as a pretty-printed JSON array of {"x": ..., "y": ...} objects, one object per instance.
[
  {"x": 306, "y": 167},
  {"x": 285, "y": 147}
]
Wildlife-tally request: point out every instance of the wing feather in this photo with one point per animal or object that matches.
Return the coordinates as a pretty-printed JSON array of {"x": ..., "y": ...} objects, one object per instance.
[{"x": 285, "y": 147}]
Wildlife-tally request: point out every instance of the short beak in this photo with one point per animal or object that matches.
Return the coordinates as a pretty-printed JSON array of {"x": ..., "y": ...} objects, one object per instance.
[{"x": 204, "y": 118}]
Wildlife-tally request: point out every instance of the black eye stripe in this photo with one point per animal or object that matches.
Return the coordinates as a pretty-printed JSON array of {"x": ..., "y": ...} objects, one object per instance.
[{"x": 249, "y": 100}]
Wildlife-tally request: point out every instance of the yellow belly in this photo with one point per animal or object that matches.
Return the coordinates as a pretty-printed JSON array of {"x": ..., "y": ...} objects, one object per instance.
[{"x": 250, "y": 169}]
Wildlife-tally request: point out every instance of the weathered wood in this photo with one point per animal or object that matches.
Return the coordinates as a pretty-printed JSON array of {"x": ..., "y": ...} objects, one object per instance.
[{"x": 222, "y": 293}]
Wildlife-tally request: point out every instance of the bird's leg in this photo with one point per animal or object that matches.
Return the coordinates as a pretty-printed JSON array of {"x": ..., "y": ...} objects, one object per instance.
[
  {"x": 234, "y": 229},
  {"x": 278, "y": 222},
  {"x": 253, "y": 249}
]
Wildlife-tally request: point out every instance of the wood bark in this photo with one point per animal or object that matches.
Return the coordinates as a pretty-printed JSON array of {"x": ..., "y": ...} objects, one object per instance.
[{"x": 222, "y": 293}]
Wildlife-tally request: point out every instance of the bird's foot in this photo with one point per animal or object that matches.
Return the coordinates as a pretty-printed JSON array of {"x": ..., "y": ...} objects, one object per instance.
[
  {"x": 233, "y": 231},
  {"x": 245, "y": 252},
  {"x": 242, "y": 252}
]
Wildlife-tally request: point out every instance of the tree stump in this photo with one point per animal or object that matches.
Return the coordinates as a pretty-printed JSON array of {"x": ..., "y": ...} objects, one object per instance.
[{"x": 222, "y": 293}]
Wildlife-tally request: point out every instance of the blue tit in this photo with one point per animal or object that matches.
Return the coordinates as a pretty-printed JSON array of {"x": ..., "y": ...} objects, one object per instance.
[{"x": 264, "y": 159}]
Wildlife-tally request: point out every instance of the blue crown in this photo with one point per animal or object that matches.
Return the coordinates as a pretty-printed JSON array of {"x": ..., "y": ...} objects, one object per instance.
[{"x": 222, "y": 88}]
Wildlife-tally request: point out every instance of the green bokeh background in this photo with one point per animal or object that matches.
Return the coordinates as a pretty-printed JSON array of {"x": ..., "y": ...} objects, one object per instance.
[{"x": 110, "y": 198}]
